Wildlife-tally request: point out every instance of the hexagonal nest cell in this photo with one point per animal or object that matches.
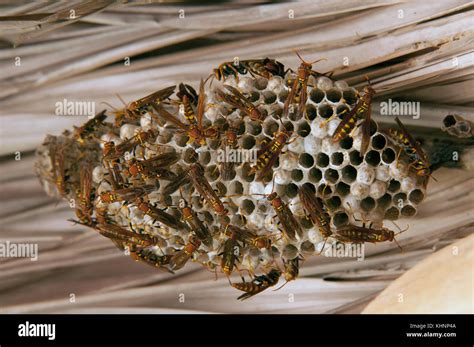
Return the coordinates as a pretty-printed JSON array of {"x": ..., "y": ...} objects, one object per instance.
[{"x": 144, "y": 205}]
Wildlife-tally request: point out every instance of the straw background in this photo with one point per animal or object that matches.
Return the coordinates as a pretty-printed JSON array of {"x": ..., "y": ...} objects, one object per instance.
[{"x": 414, "y": 50}]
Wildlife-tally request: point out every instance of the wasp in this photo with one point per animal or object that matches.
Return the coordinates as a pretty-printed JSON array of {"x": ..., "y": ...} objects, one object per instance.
[
  {"x": 115, "y": 176},
  {"x": 315, "y": 210},
  {"x": 363, "y": 109},
  {"x": 258, "y": 284},
  {"x": 292, "y": 268},
  {"x": 159, "y": 215},
  {"x": 229, "y": 143},
  {"x": 266, "y": 68},
  {"x": 152, "y": 165},
  {"x": 412, "y": 148},
  {"x": 261, "y": 67},
  {"x": 246, "y": 236},
  {"x": 117, "y": 232},
  {"x": 90, "y": 126},
  {"x": 179, "y": 181},
  {"x": 126, "y": 194},
  {"x": 238, "y": 100},
  {"x": 84, "y": 211},
  {"x": 120, "y": 234},
  {"x": 156, "y": 97},
  {"x": 230, "y": 254},
  {"x": 185, "y": 90},
  {"x": 288, "y": 221},
  {"x": 101, "y": 215},
  {"x": 298, "y": 89},
  {"x": 361, "y": 234},
  {"x": 149, "y": 257},
  {"x": 188, "y": 98},
  {"x": 113, "y": 152},
  {"x": 137, "y": 108},
  {"x": 165, "y": 174},
  {"x": 180, "y": 259},
  {"x": 203, "y": 187},
  {"x": 194, "y": 223},
  {"x": 195, "y": 131},
  {"x": 59, "y": 170},
  {"x": 269, "y": 153}
]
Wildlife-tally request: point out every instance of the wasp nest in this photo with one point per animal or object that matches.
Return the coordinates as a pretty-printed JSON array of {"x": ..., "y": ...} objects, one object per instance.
[
  {"x": 374, "y": 187},
  {"x": 457, "y": 126}
]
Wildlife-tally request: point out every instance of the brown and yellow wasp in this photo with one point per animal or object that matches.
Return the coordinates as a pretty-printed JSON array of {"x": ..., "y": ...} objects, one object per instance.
[
  {"x": 230, "y": 254},
  {"x": 193, "y": 222},
  {"x": 85, "y": 208},
  {"x": 298, "y": 88},
  {"x": 81, "y": 133},
  {"x": 57, "y": 153},
  {"x": 204, "y": 189},
  {"x": 120, "y": 234},
  {"x": 151, "y": 166},
  {"x": 135, "y": 109},
  {"x": 269, "y": 153},
  {"x": 361, "y": 234},
  {"x": 229, "y": 142},
  {"x": 246, "y": 236},
  {"x": 126, "y": 194},
  {"x": 315, "y": 210},
  {"x": 113, "y": 152},
  {"x": 261, "y": 67},
  {"x": 179, "y": 181},
  {"x": 189, "y": 99},
  {"x": 292, "y": 270},
  {"x": 159, "y": 215},
  {"x": 258, "y": 284},
  {"x": 149, "y": 257},
  {"x": 195, "y": 130},
  {"x": 180, "y": 258},
  {"x": 290, "y": 225},
  {"x": 412, "y": 149},
  {"x": 363, "y": 109},
  {"x": 239, "y": 101}
]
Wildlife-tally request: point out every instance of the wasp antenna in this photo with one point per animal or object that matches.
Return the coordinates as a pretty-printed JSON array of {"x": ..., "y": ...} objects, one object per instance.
[
  {"x": 318, "y": 60},
  {"x": 205, "y": 81},
  {"x": 396, "y": 225},
  {"x": 284, "y": 284},
  {"x": 401, "y": 231},
  {"x": 122, "y": 100},
  {"x": 112, "y": 107},
  {"x": 299, "y": 56}
]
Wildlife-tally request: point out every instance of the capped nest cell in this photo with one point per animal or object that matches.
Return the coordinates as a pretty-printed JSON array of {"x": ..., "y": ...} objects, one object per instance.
[{"x": 142, "y": 203}]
